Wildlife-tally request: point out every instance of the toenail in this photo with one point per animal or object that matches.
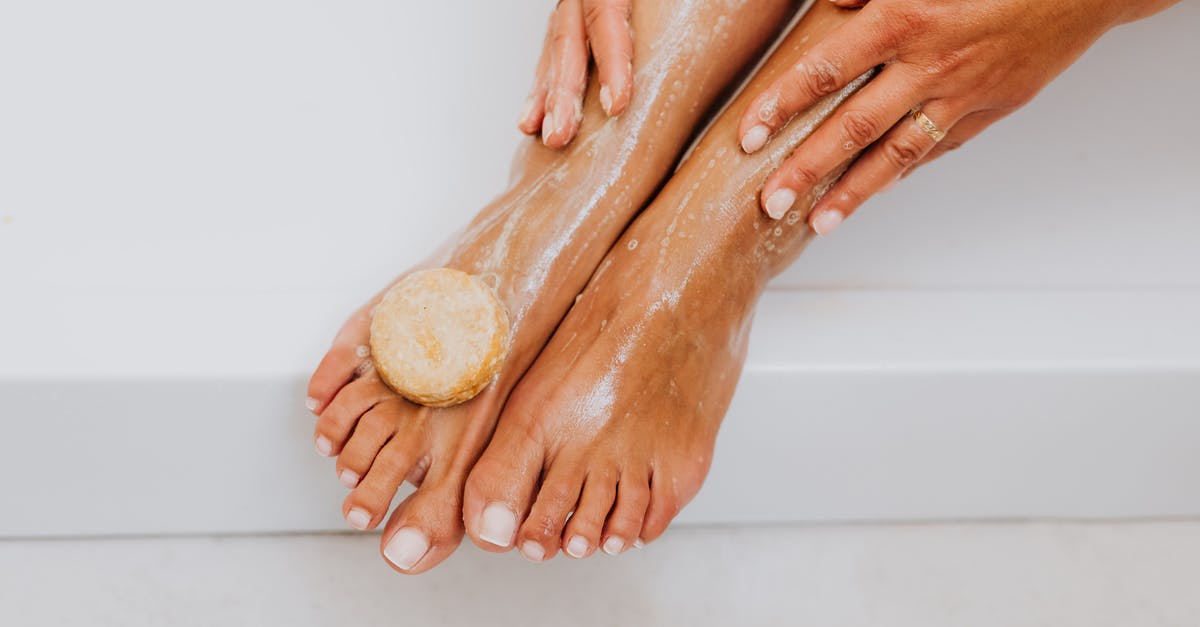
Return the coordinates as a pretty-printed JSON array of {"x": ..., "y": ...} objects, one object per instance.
[
  {"x": 614, "y": 546},
  {"x": 349, "y": 477},
  {"x": 827, "y": 221},
  {"x": 497, "y": 525},
  {"x": 359, "y": 519},
  {"x": 779, "y": 202},
  {"x": 577, "y": 547},
  {"x": 406, "y": 548},
  {"x": 533, "y": 551},
  {"x": 310, "y": 403},
  {"x": 755, "y": 139},
  {"x": 637, "y": 544},
  {"x": 324, "y": 446}
]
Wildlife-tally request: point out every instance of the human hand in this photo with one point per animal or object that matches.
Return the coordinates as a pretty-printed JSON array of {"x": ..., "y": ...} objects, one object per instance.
[
  {"x": 964, "y": 64},
  {"x": 555, "y": 106}
]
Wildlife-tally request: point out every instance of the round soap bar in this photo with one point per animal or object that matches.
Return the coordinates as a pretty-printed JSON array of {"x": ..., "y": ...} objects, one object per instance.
[{"x": 439, "y": 336}]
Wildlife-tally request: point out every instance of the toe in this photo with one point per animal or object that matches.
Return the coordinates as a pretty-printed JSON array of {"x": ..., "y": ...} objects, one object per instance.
[
  {"x": 501, "y": 486},
  {"x": 664, "y": 506},
  {"x": 370, "y": 434},
  {"x": 625, "y": 521},
  {"x": 340, "y": 416},
  {"x": 425, "y": 529},
  {"x": 582, "y": 535},
  {"x": 367, "y": 504},
  {"x": 538, "y": 537},
  {"x": 344, "y": 359}
]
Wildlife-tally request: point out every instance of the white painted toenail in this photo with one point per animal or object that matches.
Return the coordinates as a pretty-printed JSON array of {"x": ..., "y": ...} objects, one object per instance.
[
  {"x": 498, "y": 525},
  {"x": 577, "y": 547},
  {"x": 406, "y": 548},
  {"x": 755, "y": 139},
  {"x": 637, "y": 544},
  {"x": 827, "y": 221},
  {"x": 310, "y": 403},
  {"x": 349, "y": 477},
  {"x": 606, "y": 100},
  {"x": 324, "y": 446},
  {"x": 533, "y": 551},
  {"x": 614, "y": 546},
  {"x": 359, "y": 519}
]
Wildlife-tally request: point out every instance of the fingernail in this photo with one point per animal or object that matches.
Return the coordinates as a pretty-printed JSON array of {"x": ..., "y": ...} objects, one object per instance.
[
  {"x": 826, "y": 221},
  {"x": 613, "y": 546},
  {"x": 637, "y": 544},
  {"x": 533, "y": 551},
  {"x": 547, "y": 126},
  {"x": 606, "y": 100},
  {"x": 310, "y": 403},
  {"x": 755, "y": 139},
  {"x": 498, "y": 525},
  {"x": 324, "y": 446},
  {"x": 349, "y": 477},
  {"x": 406, "y": 548},
  {"x": 779, "y": 202},
  {"x": 358, "y": 518},
  {"x": 577, "y": 547}
]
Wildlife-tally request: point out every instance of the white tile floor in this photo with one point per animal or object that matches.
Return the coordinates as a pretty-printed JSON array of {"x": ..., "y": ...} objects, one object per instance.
[{"x": 1049, "y": 574}]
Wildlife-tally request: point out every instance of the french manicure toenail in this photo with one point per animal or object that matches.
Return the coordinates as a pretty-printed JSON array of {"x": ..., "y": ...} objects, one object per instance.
[
  {"x": 533, "y": 551},
  {"x": 755, "y": 139},
  {"x": 349, "y": 477},
  {"x": 497, "y": 525},
  {"x": 547, "y": 126},
  {"x": 613, "y": 546},
  {"x": 358, "y": 518},
  {"x": 779, "y": 202},
  {"x": 527, "y": 112},
  {"x": 827, "y": 221},
  {"x": 324, "y": 446},
  {"x": 577, "y": 547},
  {"x": 406, "y": 548},
  {"x": 606, "y": 99},
  {"x": 310, "y": 403},
  {"x": 637, "y": 544}
]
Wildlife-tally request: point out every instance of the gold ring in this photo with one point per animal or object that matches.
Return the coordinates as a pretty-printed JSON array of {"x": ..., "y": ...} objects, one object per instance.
[{"x": 927, "y": 125}]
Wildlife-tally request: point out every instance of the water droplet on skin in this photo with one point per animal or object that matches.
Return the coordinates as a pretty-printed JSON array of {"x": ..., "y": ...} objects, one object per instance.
[
  {"x": 778, "y": 231},
  {"x": 632, "y": 244},
  {"x": 362, "y": 351}
]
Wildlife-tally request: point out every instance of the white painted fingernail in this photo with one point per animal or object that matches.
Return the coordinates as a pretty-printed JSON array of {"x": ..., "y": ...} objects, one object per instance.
[
  {"x": 358, "y": 518},
  {"x": 606, "y": 100},
  {"x": 780, "y": 202},
  {"x": 577, "y": 547},
  {"x": 826, "y": 221},
  {"x": 498, "y": 525},
  {"x": 533, "y": 551},
  {"x": 755, "y": 139},
  {"x": 613, "y": 546},
  {"x": 406, "y": 548},
  {"x": 349, "y": 478},
  {"x": 547, "y": 126},
  {"x": 324, "y": 446},
  {"x": 637, "y": 544},
  {"x": 310, "y": 403}
]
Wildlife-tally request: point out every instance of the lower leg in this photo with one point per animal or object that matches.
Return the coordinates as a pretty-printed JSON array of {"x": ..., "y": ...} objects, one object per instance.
[{"x": 616, "y": 420}]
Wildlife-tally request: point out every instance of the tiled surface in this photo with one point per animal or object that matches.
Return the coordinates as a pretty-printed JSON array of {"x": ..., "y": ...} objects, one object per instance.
[{"x": 1012, "y": 574}]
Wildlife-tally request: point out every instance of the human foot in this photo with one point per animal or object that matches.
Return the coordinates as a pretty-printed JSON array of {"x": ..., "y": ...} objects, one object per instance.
[
  {"x": 611, "y": 431},
  {"x": 536, "y": 245}
]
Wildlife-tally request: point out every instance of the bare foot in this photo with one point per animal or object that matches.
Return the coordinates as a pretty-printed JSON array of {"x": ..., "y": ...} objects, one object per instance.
[
  {"x": 537, "y": 245},
  {"x": 611, "y": 431}
]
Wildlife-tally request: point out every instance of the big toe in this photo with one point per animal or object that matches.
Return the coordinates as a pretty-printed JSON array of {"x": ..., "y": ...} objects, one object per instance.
[{"x": 501, "y": 486}]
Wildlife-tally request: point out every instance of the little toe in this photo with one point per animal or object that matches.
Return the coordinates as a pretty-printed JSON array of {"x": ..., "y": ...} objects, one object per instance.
[
  {"x": 629, "y": 512},
  {"x": 338, "y": 367},
  {"x": 367, "y": 504},
  {"x": 582, "y": 535},
  {"x": 370, "y": 434},
  {"x": 500, "y": 488},
  {"x": 538, "y": 537},
  {"x": 340, "y": 416},
  {"x": 424, "y": 530}
]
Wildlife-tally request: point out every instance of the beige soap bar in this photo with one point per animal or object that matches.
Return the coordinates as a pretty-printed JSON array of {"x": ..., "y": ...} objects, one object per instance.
[{"x": 439, "y": 336}]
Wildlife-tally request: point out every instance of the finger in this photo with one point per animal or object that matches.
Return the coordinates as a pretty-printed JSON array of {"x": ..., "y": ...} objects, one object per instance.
[
  {"x": 535, "y": 105},
  {"x": 856, "y": 125},
  {"x": 851, "y": 49},
  {"x": 967, "y": 129},
  {"x": 607, "y": 23},
  {"x": 568, "y": 75},
  {"x": 901, "y": 148}
]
